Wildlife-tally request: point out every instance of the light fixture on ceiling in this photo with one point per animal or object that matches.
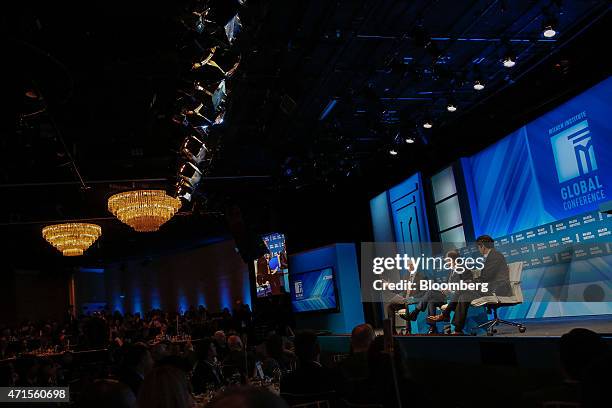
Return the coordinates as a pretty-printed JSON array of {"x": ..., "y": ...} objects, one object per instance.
[
  {"x": 478, "y": 85},
  {"x": 143, "y": 210},
  {"x": 509, "y": 61},
  {"x": 194, "y": 149},
  {"x": 393, "y": 152},
  {"x": 549, "y": 31},
  {"x": 410, "y": 140},
  {"x": 427, "y": 124},
  {"x": 549, "y": 26},
  {"x": 190, "y": 173},
  {"x": 451, "y": 106},
  {"x": 72, "y": 239}
]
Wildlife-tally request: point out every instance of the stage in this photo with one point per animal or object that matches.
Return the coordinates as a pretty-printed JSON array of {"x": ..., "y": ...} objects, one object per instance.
[{"x": 503, "y": 367}]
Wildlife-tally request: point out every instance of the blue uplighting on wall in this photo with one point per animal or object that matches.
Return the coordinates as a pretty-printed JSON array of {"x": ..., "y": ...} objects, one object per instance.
[
  {"x": 136, "y": 300},
  {"x": 183, "y": 303},
  {"x": 226, "y": 298},
  {"x": 246, "y": 291},
  {"x": 201, "y": 299},
  {"x": 155, "y": 299}
]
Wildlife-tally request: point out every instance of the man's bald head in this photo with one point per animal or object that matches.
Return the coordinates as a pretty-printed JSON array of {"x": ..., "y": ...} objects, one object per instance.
[{"x": 361, "y": 337}]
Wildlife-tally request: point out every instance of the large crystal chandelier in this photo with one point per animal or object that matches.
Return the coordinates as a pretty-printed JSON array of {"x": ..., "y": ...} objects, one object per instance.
[
  {"x": 143, "y": 210},
  {"x": 72, "y": 239}
]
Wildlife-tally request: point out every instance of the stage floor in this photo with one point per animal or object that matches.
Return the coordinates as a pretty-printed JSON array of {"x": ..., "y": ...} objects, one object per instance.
[{"x": 550, "y": 327}]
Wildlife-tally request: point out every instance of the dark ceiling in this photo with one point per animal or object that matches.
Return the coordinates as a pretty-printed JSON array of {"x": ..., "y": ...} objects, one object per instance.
[{"x": 91, "y": 90}]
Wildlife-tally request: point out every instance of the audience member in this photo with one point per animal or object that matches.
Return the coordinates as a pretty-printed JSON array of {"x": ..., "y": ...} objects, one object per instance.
[
  {"x": 207, "y": 373},
  {"x": 107, "y": 393},
  {"x": 137, "y": 362},
  {"x": 580, "y": 351},
  {"x": 247, "y": 397},
  {"x": 238, "y": 360},
  {"x": 310, "y": 378},
  {"x": 355, "y": 366},
  {"x": 277, "y": 359},
  {"x": 220, "y": 344},
  {"x": 165, "y": 387}
]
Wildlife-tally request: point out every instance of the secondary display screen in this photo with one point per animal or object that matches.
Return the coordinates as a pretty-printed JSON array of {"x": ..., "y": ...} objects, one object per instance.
[
  {"x": 272, "y": 269},
  {"x": 314, "y": 291}
]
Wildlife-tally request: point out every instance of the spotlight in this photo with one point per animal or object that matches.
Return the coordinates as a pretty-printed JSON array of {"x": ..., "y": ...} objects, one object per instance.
[
  {"x": 393, "y": 152},
  {"x": 451, "y": 107},
  {"x": 509, "y": 61},
  {"x": 549, "y": 31},
  {"x": 410, "y": 140},
  {"x": 184, "y": 191},
  {"x": 194, "y": 149},
  {"x": 427, "y": 124},
  {"x": 478, "y": 85},
  {"x": 190, "y": 174}
]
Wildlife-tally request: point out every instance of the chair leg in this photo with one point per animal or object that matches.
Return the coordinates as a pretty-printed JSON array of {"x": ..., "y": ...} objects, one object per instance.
[{"x": 489, "y": 326}]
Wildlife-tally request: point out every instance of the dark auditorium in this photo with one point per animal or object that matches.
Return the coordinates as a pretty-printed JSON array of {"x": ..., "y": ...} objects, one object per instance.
[{"x": 306, "y": 204}]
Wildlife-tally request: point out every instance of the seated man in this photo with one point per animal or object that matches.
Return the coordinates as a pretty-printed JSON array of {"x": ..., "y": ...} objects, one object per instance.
[
  {"x": 310, "y": 378},
  {"x": 495, "y": 273},
  {"x": 355, "y": 366},
  {"x": 398, "y": 301},
  {"x": 433, "y": 299}
]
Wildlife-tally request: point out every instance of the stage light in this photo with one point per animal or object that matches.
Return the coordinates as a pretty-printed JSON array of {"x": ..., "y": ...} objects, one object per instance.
[
  {"x": 509, "y": 61},
  {"x": 194, "y": 149},
  {"x": 410, "y": 140},
  {"x": 190, "y": 173},
  {"x": 184, "y": 191},
  {"x": 549, "y": 31},
  {"x": 478, "y": 85},
  {"x": 427, "y": 124},
  {"x": 393, "y": 152},
  {"x": 451, "y": 107}
]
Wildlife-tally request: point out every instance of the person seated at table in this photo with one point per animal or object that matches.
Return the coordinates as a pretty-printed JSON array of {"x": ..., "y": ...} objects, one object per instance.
[
  {"x": 310, "y": 378},
  {"x": 207, "y": 372},
  {"x": 247, "y": 397},
  {"x": 238, "y": 360},
  {"x": 433, "y": 299},
  {"x": 105, "y": 393},
  {"x": 277, "y": 358},
  {"x": 495, "y": 273},
  {"x": 137, "y": 362},
  {"x": 355, "y": 366},
  {"x": 220, "y": 344},
  {"x": 165, "y": 387}
]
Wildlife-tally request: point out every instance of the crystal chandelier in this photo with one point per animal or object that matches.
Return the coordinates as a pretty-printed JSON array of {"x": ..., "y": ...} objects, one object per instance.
[
  {"x": 72, "y": 239},
  {"x": 143, "y": 210}
]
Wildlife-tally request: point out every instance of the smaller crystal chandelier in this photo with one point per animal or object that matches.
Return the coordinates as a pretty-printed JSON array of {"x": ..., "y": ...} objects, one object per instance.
[
  {"x": 143, "y": 210},
  {"x": 72, "y": 239}
]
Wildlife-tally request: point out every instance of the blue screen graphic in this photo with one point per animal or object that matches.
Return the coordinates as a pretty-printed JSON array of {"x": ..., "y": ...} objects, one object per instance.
[
  {"x": 543, "y": 185},
  {"x": 555, "y": 167},
  {"x": 313, "y": 291}
]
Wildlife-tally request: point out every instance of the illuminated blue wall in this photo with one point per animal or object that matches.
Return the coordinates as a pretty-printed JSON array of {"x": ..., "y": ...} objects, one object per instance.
[
  {"x": 398, "y": 215},
  {"x": 213, "y": 276},
  {"x": 343, "y": 259},
  {"x": 555, "y": 167},
  {"x": 543, "y": 182}
]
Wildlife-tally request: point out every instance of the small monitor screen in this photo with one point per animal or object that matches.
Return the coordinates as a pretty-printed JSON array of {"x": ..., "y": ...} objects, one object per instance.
[
  {"x": 271, "y": 269},
  {"x": 313, "y": 291}
]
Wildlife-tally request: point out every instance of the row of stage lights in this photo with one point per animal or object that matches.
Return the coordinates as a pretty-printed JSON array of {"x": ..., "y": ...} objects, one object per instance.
[
  {"x": 549, "y": 30},
  {"x": 213, "y": 29}
]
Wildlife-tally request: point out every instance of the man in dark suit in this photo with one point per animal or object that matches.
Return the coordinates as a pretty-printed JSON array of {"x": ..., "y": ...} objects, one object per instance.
[
  {"x": 495, "y": 273},
  {"x": 137, "y": 362},
  {"x": 310, "y": 378},
  {"x": 433, "y": 299},
  {"x": 207, "y": 372}
]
